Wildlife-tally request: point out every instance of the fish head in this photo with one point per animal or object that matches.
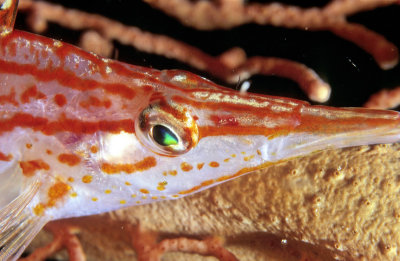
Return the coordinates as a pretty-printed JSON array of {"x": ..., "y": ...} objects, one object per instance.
[
  {"x": 190, "y": 134},
  {"x": 216, "y": 132}
]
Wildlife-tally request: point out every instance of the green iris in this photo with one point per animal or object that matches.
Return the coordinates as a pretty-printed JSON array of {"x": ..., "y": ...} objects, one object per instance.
[{"x": 164, "y": 136}]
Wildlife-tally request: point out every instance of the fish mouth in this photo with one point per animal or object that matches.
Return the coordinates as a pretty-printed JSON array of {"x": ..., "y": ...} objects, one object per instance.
[{"x": 300, "y": 144}]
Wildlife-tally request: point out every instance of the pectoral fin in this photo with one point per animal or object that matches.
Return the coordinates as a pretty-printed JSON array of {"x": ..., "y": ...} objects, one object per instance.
[{"x": 18, "y": 225}]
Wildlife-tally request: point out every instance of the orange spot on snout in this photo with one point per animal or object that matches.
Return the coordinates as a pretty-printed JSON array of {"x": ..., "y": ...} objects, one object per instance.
[
  {"x": 60, "y": 100},
  {"x": 30, "y": 167},
  {"x": 69, "y": 159},
  {"x": 87, "y": 179},
  {"x": 144, "y": 191},
  {"x": 31, "y": 92},
  {"x": 95, "y": 102},
  {"x": 186, "y": 166},
  {"x": 200, "y": 166},
  {"x": 10, "y": 98},
  {"x": 94, "y": 149},
  {"x": 173, "y": 172},
  {"x": 214, "y": 164},
  {"x": 248, "y": 158},
  {"x": 56, "y": 192},
  {"x": 39, "y": 209},
  {"x": 161, "y": 185}
]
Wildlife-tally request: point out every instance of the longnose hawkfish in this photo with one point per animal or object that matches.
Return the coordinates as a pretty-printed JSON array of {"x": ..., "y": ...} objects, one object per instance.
[{"x": 81, "y": 135}]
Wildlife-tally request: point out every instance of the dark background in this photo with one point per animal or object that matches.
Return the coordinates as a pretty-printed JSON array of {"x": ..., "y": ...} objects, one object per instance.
[{"x": 352, "y": 73}]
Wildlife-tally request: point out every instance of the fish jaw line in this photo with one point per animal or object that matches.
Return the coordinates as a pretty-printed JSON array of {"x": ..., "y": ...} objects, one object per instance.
[{"x": 300, "y": 144}]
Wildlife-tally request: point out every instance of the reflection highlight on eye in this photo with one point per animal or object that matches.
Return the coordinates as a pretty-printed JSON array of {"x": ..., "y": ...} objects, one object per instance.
[{"x": 164, "y": 136}]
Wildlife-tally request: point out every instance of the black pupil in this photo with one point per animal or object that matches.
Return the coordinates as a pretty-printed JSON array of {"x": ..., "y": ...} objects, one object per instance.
[{"x": 164, "y": 136}]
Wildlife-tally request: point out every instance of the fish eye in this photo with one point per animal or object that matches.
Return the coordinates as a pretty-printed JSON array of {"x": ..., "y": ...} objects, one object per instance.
[
  {"x": 164, "y": 136},
  {"x": 166, "y": 130}
]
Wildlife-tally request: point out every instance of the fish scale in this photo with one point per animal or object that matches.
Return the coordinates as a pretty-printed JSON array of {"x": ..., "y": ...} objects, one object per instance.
[{"x": 82, "y": 135}]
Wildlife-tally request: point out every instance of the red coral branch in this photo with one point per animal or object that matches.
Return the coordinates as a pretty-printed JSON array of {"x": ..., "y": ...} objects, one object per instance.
[
  {"x": 63, "y": 237},
  {"x": 217, "y": 14},
  {"x": 230, "y": 66},
  {"x": 148, "y": 250},
  {"x": 384, "y": 52},
  {"x": 233, "y": 65},
  {"x": 385, "y": 99},
  {"x": 208, "y": 15},
  {"x": 310, "y": 83}
]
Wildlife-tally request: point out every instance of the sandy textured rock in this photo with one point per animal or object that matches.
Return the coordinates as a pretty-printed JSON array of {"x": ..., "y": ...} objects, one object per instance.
[{"x": 338, "y": 203}]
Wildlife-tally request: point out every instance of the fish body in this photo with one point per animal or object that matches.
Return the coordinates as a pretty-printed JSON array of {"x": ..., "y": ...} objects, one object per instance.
[{"x": 81, "y": 135}]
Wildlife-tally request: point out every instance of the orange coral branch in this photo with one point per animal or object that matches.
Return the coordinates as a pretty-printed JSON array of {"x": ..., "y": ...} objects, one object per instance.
[
  {"x": 207, "y": 15},
  {"x": 64, "y": 236},
  {"x": 148, "y": 250},
  {"x": 238, "y": 68},
  {"x": 385, "y": 99}
]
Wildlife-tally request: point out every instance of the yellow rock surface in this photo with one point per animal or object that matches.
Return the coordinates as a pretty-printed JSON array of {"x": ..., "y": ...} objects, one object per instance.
[{"x": 333, "y": 204}]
